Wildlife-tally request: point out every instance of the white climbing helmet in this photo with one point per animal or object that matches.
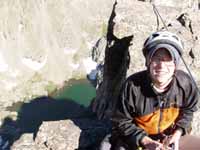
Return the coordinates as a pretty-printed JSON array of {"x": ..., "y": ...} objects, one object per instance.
[{"x": 163, "y": 39}]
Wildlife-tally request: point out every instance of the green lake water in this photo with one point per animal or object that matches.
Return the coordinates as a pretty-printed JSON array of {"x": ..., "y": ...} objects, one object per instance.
[
  {"x": 59, "y": 105},
  {"x": 80, "y": 91}
]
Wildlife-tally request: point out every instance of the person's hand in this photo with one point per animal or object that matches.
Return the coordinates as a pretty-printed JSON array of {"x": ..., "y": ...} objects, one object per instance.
[
  {"x": 174, "y": 139},
  {"x": 151, "y": 144}
]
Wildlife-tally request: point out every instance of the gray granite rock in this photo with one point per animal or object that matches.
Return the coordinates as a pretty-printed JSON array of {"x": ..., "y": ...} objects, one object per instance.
[{"x": 64, "y": 135}]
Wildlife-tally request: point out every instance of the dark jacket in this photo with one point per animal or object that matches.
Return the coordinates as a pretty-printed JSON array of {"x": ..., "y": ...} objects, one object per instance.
[{"x": 141, "y": 111}]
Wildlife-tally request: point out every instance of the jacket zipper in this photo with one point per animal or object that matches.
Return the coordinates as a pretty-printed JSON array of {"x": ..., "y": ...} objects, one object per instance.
[{"x": 161, "y": 114}]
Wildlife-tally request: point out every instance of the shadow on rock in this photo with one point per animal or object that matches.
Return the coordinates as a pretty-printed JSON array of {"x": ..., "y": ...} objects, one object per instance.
[{"x": 43, "y": 109}]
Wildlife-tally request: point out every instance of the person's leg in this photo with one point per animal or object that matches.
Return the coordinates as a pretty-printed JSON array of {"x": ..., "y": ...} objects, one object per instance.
[
  {"x": 189, "y": 142},
  {"x": 105, "y": 144},
  {"x": 119, "y": 145},
  {"x": 110, "y": 143}
]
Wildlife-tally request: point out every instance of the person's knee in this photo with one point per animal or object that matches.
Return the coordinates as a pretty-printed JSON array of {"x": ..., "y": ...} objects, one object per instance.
[
  {"x": 113, "y": 143},
  {"x": 105, "y": 144}
]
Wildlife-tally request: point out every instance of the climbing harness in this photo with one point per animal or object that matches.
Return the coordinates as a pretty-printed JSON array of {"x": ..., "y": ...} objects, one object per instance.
[{"x": 159, "y": 16}]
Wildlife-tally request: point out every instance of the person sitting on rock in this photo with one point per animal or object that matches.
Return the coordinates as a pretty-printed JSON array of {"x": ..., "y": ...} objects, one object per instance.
[{"x": 155, "y": 108}]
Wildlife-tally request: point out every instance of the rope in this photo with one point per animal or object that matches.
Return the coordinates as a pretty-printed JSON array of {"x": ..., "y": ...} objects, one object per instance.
[{"x": 158, "y": 16}]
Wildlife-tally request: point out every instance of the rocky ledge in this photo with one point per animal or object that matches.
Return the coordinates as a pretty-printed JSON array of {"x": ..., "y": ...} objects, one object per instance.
[{"x": 49, "y": 124}]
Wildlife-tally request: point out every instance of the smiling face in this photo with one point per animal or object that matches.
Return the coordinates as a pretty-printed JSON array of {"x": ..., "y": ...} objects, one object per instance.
[{"x": 162, "y": 67}]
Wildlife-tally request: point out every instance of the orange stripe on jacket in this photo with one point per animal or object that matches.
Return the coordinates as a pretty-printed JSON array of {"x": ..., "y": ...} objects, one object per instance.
[{"x": 150, "y": 122}]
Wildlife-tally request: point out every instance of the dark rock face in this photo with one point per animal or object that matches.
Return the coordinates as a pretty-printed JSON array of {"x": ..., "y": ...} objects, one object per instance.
[{"x": 116, "y": 63}]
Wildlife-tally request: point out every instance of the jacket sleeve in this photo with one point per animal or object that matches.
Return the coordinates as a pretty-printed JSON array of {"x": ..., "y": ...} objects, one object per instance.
[
  {"x": 123, "y": 115},
  {"x": 189, "y": 106}
]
